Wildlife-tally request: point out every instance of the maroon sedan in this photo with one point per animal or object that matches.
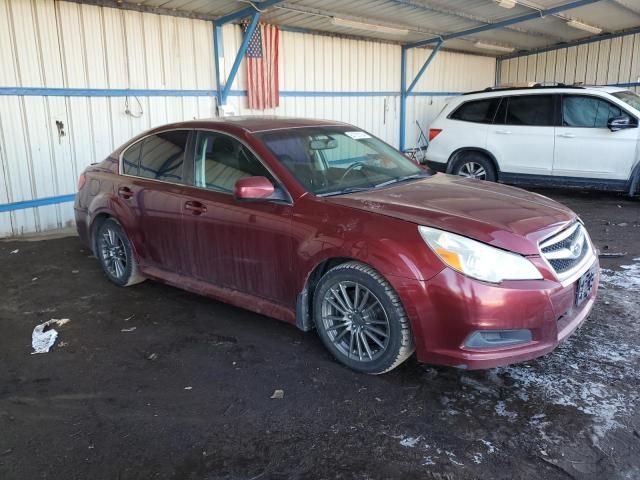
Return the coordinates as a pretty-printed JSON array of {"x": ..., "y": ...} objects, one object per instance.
[{"x": 324, "y": 226}]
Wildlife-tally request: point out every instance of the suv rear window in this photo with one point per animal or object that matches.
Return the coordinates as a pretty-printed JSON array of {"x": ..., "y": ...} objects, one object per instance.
[
  {"x": 478, "y": 111},
  {"x": 527, "y": 110}
]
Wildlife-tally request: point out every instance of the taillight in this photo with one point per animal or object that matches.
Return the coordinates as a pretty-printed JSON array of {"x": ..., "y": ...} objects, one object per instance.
[
  {"x": 81, "y": 181},
  {"x": 433, "y": 133}
]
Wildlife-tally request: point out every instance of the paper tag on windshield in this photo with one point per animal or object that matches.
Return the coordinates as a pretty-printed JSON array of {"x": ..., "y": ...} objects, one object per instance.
[{"x": 357, "y": 135}]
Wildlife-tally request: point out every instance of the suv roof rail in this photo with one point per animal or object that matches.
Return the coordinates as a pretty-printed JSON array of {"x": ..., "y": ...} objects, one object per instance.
[{"x": 503, "y": 88}]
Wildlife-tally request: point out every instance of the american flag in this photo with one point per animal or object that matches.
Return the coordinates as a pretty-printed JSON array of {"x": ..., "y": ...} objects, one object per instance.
[{"x": 262, "y": 67}]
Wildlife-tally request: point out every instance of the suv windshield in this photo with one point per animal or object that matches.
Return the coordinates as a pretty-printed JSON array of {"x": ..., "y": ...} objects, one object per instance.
[
  {"x": 336, "y": 160},
  {"x": 629, "y": 97}
]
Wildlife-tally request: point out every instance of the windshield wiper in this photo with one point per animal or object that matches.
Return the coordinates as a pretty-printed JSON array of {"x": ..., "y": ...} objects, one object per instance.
[
  {"x": 402, "y": 179},
  {"x": 346, "y": 190}
]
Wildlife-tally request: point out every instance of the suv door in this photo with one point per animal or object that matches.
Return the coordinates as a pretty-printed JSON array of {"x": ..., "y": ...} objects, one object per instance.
[
  {"x": 522, "y": 136},
  {"x": 585, "y": 147},
  {"x": 241, "y": 245},
  {"x": 154, "y": 172}
]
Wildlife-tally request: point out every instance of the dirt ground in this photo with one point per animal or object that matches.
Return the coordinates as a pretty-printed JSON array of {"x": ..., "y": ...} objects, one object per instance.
[{"x": 153, "y": 382}]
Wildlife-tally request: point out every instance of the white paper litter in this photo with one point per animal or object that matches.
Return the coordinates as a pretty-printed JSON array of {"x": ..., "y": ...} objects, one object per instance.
[
  {"x": 42, "y": 340},
  {"x": 278, "y": 394},
  {"x": 13, "y": 252}
]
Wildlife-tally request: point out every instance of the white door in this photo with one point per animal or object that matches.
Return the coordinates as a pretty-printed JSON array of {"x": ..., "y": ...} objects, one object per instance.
[
  {"x": 522, "y": 136},
  {"x": 586, "y": 148}
]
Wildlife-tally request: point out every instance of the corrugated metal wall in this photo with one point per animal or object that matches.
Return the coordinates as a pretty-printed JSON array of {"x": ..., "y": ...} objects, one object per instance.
[
  {"x": 320, "y": 63},
  {"x": 449, "y": 73},
  {"x": 605, "y": 62},
  {"x": 47, "y": 140},
  {"x": 67, "y": 45}
]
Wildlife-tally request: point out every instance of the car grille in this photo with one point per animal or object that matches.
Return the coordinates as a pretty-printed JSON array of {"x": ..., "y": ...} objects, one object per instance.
[{"x": 567, "y": 249}]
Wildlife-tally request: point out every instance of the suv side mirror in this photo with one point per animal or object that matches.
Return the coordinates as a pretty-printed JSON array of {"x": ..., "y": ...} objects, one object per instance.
[{"x": 620, "y": 123}]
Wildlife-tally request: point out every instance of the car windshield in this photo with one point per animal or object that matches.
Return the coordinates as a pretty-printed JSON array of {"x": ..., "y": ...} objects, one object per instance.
[
  {"x": 629, "y": 97},
  {"x": 338, "y": 160}
]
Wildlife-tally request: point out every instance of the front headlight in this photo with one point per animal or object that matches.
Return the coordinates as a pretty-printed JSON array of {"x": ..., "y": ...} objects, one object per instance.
[{"x": 477, "y": 259}]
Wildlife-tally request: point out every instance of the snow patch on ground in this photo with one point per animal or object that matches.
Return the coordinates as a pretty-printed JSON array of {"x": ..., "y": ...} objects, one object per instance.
[{"x": 627, "y": 278}]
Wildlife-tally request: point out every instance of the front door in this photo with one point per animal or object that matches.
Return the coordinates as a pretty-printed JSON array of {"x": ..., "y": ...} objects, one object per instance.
[
  {"x": 244, "y": 246},
  {"x": 586, "y": 148},
  {"x": 522, "y": 136}
]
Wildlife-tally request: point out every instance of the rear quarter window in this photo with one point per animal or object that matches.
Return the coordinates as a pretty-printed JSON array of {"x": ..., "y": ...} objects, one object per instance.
[
  {"x": 477, "y": 111},
  {"x": 131, "y": 159}
]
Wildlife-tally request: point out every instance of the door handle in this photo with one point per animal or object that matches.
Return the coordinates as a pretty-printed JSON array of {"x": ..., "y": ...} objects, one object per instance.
[
  {"x": 504, "y": 132},
  {"x": 195, "y": 208},
  {"x": 566, "y": 135},
  {"x": 125, "y": 192}
]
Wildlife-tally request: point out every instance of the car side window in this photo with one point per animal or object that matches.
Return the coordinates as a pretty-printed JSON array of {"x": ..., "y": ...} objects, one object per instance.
[
  {"x": 221, "y": 161},
  {"x": 530, "y": 110},
  {"x": 163, "y": 156},
  {"x": 477, "y": 111},
  {"x": 131, "y": 159},
  {"x": 587, "y": 112}
]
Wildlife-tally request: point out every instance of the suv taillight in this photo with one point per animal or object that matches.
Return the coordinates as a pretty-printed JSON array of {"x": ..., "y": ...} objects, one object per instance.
[
  {"x": 81, "y": 181},
  {"x": 433, "y": 133}
]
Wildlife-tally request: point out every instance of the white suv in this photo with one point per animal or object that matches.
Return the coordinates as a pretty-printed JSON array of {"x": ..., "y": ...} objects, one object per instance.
[{"x": 551, "y": 136}]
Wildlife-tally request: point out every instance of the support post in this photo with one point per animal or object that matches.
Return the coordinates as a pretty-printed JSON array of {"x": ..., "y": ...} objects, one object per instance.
[
  {"x": 403, "y": 96},
  {"x": 243, "y": 49},
  {"x": 217, "y": 34},
  {"x": 405, "y": 91}
]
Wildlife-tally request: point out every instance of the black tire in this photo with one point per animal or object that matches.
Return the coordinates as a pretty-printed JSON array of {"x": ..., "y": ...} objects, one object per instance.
[
  {"x": 115, "y": 253},
  {"x": 379, "y": 356},
  {"x": 474, "y": 165}
]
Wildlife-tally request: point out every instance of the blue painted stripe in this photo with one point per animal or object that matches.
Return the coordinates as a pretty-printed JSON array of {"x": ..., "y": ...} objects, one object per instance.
[
  {"x": 434, "y": 94},
  {"x": 104, "y": 92},
  {"x": 39, "y": 202}
]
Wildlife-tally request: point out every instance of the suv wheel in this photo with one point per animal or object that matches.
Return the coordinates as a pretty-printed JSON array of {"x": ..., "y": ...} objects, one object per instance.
[
  {"x": 474, "y": 165},
  {"x": 360, "y": 319}
]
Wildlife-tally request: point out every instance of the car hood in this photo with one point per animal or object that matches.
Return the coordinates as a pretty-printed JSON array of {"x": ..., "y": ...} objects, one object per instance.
[{"x": 503, "y": 216}]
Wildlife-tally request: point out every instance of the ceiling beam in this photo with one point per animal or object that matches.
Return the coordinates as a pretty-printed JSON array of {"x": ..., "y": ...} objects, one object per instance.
[
  {"x": 504, "y": 23},
  {"x": 247, "y": 11},
  {"x": 430, "y": 7}
]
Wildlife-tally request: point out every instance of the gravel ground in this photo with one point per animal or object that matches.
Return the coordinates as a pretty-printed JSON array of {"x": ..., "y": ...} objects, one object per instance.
[{"x": 154, "y": 382}]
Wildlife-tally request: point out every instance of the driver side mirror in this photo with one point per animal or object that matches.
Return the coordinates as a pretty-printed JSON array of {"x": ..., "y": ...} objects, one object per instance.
[
  {"x": 620, "y": 123},
  {"x": 256, "y": 188}
]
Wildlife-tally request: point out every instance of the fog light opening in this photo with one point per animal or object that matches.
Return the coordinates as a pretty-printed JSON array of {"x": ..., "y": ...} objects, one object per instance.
[{"x": 497, "y": 338}]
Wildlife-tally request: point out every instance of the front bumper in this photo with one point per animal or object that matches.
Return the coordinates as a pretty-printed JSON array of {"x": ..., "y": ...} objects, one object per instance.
[{"x": 446, "y": 309}]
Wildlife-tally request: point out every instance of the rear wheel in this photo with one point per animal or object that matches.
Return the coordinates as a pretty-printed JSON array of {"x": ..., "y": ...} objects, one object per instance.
[
  {"x": 116, "y": 254},
  {"x": 474, "y": 165},
  {"x": 360, "y": 319}
]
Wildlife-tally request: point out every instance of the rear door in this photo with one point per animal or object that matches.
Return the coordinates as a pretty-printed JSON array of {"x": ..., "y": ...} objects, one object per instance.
[
  {"x": 585, "y": 147},
  {"x": 158, "y": 167},
  {"x": 522, "y": 136}
]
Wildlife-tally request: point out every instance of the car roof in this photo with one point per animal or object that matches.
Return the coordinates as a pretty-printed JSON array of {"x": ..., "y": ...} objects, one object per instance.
[
  {"x": 499, "y": 92},
  {"x": 255, "y": 123}
]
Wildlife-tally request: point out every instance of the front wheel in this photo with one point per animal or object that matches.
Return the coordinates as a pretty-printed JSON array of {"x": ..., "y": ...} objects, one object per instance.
[
  {"x": 475, "y": 165},
  {"x": 116, "y": 254},
  {"x": 360, "y": 319}
]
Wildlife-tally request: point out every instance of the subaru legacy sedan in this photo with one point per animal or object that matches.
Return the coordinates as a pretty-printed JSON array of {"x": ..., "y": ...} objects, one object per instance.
[{"x": 324, "y": 226}]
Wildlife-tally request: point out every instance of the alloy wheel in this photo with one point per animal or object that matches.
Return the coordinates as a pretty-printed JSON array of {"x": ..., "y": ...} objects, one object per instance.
[
  {"x": 114, "y": 255},
  {"x": 473, "y": 170},
  {"x": 355, "y": 321}
]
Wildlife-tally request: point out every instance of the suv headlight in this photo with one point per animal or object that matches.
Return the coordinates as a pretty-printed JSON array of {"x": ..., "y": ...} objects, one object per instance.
[{"x": 477, "y": 259}]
